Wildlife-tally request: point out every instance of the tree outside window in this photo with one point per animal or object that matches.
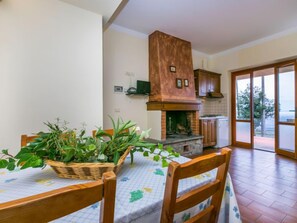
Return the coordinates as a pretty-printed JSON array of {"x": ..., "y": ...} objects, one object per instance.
[{"x": 263, "y": 107}]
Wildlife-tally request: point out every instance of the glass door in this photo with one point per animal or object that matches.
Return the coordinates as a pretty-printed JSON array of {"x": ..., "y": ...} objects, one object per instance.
[
  {"x": 241, "y": 110},
  {"x": 263, "y": 109},
  {"x": 286, "y": 109},
  {"x": 263, "y": 106}
]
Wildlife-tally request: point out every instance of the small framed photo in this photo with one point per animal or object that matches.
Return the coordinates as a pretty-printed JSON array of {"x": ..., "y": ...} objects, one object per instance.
[
  {"x": 172, "y": 69},
  {"x": 179, "y": 83},
  {"x": 186, "y": 82}
]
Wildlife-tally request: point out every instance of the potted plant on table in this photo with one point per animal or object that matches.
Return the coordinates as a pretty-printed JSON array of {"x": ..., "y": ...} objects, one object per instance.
[{"x": 72, "y": 154}]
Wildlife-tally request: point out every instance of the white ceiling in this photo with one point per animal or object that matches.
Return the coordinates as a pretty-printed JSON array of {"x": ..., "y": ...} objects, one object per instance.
[
  {"x": 106, "y": 8},
  {"x": 212, "y": 26}
]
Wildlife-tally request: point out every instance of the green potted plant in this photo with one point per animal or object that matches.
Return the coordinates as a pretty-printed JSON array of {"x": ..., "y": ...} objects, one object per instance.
[{"x": 72, "y": 154}]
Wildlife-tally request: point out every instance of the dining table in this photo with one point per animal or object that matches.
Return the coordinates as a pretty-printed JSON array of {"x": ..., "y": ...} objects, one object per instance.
[{"x": 139, "y": 192}]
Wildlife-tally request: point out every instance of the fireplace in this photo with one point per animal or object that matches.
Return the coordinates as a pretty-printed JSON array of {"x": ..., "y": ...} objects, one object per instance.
[
  {"x": 176, "y": 124},
  {"x": 173, "y": 109},
  {"x": 174, "y": 119}
]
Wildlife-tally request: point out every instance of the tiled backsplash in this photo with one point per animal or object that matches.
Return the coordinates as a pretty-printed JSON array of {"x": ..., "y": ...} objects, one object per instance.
[{"x": 216, "y": 106}]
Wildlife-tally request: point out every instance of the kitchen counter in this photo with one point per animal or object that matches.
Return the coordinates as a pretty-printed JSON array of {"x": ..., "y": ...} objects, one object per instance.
[{"x": 203, "y": 118}]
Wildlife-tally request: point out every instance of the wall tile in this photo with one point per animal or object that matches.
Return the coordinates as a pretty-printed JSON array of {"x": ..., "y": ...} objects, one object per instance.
[{"x": 216, "y": 106}]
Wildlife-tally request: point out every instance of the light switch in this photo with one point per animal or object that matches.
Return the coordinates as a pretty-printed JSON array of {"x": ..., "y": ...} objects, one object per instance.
[{"x": 118, "y": 89}]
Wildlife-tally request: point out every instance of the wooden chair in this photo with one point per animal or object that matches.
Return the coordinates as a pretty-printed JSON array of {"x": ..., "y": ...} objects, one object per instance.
[
  {"x": 25, "y": 139},
  {"x": 109, "y": 131},
  {"x": 60, "y": 202},
  {"x": 199, "y": 165}
]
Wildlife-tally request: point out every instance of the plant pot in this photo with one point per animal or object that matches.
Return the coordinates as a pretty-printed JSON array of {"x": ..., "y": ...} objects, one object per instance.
[{"x": 86, "y": 171}]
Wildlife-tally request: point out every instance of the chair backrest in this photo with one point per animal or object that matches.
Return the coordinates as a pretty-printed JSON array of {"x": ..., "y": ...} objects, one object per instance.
[
  {"x": 214, "y": 189},
  {"x": 109, "y": 131},
  {"x": 54, "y": 204},
  {"x": 25, "y": 139}
]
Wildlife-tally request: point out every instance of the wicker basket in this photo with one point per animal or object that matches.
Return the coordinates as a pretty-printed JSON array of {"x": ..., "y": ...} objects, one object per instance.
[{"x": 86, "y": 171}]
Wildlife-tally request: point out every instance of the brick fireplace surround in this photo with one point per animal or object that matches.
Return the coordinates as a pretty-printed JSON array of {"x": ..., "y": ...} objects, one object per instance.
[
  {"x": 182, "y": 143},
  {"x": 191, "y": 110}
]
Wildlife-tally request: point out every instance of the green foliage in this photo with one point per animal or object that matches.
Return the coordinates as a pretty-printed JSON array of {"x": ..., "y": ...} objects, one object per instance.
[
  {"x": 68, "y": 145},
  {"x": 262, "y": 105},
  {"x": 243, "y": 104}
]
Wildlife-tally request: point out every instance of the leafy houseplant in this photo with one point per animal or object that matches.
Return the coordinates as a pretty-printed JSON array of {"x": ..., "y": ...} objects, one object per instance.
[{"x": 71, "y": 146}]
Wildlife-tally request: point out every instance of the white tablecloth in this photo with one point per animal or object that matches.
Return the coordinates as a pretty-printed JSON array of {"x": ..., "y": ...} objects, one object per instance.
[{"x": 139, "y": 195}]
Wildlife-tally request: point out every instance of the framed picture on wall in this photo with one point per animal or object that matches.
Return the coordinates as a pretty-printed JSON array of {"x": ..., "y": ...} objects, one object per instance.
[
  {"x": 172, "y": 69},
  {"x": 186, "y": 82},
  {"x": 179, "y": 83}
]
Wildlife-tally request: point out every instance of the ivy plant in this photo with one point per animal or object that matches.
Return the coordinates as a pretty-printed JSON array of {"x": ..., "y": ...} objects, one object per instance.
[{"x": 63, "y": 144}]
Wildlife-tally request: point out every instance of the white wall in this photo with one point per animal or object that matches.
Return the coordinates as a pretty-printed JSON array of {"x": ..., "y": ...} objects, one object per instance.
[
  {"x": 106, "y": 8},
  {"x": 155, "y": 124},
  {"x": 200, "y": 60},
  {"x": 50, "y": 66},
  {"x": 125, "y": 61}
]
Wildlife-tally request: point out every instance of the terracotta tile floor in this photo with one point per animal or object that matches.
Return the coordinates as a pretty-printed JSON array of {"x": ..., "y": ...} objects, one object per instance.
[
  {"x": 264, "y": 143},
  {"x": 265, "y": 185}
]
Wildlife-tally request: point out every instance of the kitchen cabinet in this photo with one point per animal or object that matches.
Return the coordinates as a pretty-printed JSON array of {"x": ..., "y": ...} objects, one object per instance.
[
  {"x": 206, "y": 81},
  {"x": 208, "y": 131}
]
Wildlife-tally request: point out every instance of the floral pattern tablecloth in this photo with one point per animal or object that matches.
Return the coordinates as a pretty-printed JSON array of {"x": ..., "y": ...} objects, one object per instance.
[{"x": 139, "y": 196}]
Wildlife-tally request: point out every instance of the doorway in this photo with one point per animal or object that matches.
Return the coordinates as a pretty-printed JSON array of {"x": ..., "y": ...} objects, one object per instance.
[{"x": 263, "y": 108}]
